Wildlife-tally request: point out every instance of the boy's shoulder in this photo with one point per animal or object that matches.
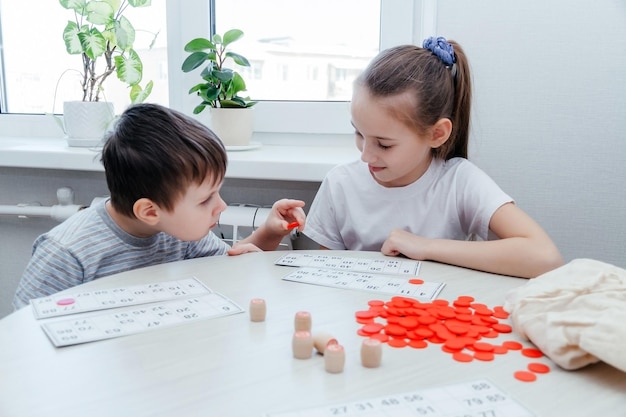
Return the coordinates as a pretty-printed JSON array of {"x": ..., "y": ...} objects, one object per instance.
[{"x": 77, "y": 228}]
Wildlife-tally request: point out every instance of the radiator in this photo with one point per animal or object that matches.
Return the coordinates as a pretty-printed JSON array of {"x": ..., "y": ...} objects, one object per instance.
[{"x": 238, "y": 221}]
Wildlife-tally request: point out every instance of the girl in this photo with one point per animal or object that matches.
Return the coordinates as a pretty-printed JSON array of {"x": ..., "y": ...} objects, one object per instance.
[{"x": 414, "y": 193}]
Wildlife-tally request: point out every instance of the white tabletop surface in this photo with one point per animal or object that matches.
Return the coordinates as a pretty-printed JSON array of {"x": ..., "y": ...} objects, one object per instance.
[{"x": 230, "y": 366}]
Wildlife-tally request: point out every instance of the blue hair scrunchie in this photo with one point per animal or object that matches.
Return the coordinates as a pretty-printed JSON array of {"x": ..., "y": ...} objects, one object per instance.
[{"x": 441, "y": 48}]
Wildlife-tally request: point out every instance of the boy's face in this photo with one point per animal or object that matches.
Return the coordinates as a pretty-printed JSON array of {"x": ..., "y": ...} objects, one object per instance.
[{"x": 195, "y": 213}]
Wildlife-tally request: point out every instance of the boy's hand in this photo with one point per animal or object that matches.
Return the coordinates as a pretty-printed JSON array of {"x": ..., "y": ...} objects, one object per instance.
[
  {"x": 241, "y": 248},
  {"x": 284, "y": 213}
]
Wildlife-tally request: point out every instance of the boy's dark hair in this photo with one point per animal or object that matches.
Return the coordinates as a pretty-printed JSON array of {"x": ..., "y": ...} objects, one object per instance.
[
  {"x": 155, "y": 152},
  {"x": 438, "y": 91}
]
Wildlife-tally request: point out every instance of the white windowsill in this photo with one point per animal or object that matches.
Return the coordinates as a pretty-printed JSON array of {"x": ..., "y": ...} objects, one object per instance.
[{"x": 293, "y": 157}]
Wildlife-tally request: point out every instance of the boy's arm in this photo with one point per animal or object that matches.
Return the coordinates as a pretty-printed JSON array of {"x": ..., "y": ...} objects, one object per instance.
[
  {"x": 269, "y": 235},
  {"x": 50, "y": 269}
]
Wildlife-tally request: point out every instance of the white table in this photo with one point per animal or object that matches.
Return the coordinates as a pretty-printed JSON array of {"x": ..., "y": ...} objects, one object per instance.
[{"x": 230, "y": 366}]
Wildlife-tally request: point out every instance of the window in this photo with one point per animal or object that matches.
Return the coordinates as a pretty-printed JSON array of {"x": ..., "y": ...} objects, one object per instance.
[
  {"x": 37, "y": 67},
  {"x": 310, "y": 94},
  {"x": 326, "y": 36}
]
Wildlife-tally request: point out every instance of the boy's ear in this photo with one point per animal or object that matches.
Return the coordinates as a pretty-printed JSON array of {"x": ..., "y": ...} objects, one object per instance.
[
  {"x": 147, "y": 211},
  {"x": 441, "y": 132}
]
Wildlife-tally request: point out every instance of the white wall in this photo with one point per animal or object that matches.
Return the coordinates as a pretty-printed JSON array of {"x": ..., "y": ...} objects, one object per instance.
[
  {"x": 550, "y": 112},
  {"x": 549, "y": 125}
]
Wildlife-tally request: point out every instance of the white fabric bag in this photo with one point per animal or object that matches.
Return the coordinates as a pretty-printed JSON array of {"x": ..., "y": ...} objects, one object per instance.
[{"x": 575, "y": 314}]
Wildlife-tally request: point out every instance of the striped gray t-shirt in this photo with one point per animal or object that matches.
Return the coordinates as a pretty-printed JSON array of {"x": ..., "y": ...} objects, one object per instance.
[{"x": 90, "y": 245}]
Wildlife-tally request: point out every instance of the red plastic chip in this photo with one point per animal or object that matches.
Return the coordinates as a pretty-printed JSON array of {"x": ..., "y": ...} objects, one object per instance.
[
  {"x": 532, "y": 353},
  {"x": 525, "y": 376},
  {"x": 462, "y": 357},
  {"x": 539, "y": 368},
  {"x": 512, "y": 345}
]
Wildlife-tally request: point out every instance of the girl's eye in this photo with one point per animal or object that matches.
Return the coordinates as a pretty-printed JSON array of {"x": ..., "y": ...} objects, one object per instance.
[{"x": 381, "y": 146}]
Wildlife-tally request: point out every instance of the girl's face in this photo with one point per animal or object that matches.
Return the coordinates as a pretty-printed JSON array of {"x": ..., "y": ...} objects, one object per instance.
[
  {"x": 395, "y": 154},
  {"x": 195, "y": 213}
]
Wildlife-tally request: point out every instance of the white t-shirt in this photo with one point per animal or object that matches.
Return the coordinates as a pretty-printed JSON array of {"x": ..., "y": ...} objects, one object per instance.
[{"x": 454, "y": 199}]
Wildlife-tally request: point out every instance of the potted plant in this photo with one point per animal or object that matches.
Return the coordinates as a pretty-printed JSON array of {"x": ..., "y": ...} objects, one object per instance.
[
  {"x": 231, "y": 114},
  {"x": 103, "y": 37}
]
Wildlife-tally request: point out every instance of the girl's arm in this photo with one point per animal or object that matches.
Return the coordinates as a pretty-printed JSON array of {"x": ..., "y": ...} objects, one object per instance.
[
  {"x": 523, "y": 249},
  {"x": 269, "y": 235}
]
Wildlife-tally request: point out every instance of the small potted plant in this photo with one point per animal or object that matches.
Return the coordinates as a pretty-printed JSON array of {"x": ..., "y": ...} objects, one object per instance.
[
  {"x": 103, "y": 37},
  {"x": 231, "y": 113}
]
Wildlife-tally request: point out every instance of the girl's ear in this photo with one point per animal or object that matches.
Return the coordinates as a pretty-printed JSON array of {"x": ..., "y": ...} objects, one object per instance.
[
  {"x": 147, "y": 211},
  {"x": 440, "y": 132}
]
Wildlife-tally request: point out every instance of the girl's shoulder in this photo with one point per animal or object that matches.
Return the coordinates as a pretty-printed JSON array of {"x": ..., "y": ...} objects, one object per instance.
[
  {"x": 455, "y": 163},
  {"x": 469, "y": 177},
  {"x": 346, "y": 171},
  {"x": 460, "y": 166},
  {"x": 346, "y": 167}
]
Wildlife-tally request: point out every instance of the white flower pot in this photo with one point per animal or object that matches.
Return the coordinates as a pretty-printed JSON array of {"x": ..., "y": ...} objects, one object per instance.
[
  {"x": 233, "y": 126},
  {"x": 85, "y": 122}
]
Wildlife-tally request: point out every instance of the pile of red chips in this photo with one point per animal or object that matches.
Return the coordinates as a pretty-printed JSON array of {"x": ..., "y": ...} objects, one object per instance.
[{"x": 460, "y": 327}]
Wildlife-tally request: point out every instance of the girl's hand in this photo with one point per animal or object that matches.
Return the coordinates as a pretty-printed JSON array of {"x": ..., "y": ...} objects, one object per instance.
[
  {"x": 401, "y": 242},
  {"x": 284, "y": 213}
]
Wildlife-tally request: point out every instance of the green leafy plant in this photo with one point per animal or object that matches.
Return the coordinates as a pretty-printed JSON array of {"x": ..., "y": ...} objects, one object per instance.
[
  {"x": 100, "y": 33},
  {"x": 222, "y": 85}
]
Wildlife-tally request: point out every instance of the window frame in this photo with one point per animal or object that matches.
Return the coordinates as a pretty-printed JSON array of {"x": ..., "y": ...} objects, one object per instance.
[{"x": 191, "y": 18}]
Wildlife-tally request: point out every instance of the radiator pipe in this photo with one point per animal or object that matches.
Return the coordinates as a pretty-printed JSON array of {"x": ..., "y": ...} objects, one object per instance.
[
  {"x": 244, "y": 216},
  {"x": 57, "y": 212}
]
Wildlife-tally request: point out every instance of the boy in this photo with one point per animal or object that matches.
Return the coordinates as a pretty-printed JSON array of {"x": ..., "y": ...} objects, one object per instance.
[{"x": 164, "y": 171}]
